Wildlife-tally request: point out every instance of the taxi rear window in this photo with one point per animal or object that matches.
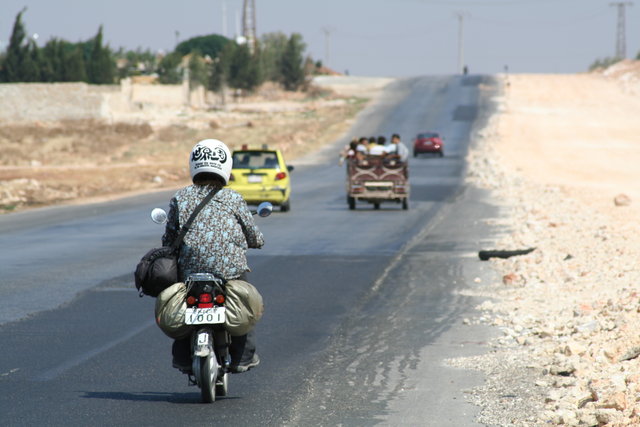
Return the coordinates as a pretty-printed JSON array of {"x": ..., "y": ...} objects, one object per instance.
[{"x": 255, "y": 160}]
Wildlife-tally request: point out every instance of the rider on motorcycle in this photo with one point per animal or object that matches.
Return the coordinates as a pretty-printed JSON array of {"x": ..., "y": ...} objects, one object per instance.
[{"x": 217, "y": 240}]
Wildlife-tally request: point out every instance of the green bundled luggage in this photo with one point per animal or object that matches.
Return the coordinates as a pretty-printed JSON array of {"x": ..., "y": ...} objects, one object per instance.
[
  {"x": 171, "y": 305},
  {"x": 244, "y": 307}
]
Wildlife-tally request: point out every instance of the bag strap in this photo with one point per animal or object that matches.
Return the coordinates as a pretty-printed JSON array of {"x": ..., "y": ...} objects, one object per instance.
[{"x": 196, "y": 211}]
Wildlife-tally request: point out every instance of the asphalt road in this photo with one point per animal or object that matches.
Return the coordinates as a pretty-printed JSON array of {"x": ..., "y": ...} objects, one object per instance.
[{"x": 362, "y": 306}]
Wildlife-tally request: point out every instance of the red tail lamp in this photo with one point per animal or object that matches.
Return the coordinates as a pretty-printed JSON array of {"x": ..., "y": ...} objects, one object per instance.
[
  {"x": 219, "y": 298},
  {"x": 281, "y": 175}
]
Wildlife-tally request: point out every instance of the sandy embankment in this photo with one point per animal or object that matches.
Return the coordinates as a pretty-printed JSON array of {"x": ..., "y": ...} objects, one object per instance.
[{"x": 558, "y": 155}]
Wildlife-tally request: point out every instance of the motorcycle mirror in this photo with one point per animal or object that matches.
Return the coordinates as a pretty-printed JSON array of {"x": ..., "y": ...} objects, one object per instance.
[
  {"x": 159, "y": 216},
  {"x": 265, "y": 209}
]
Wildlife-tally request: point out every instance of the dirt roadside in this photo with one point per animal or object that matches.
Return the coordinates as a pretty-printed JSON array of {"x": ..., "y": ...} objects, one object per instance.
[
  {"x": 562, "y": 156},
  {"x": 79, "y": 161}
]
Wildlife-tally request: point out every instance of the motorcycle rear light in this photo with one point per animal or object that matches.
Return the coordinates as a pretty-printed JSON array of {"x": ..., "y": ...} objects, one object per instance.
[
  {"x": 281, "y": 175},
  {"x": 205, "y": 298},
  {"x": 191, "y": 300},
  {"x": 220, "y": 298},
  {"x": 205, "y": 305}
]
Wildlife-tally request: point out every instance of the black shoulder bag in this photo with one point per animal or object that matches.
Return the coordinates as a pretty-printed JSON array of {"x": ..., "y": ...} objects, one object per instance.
[{"x": 158, "y": 268}]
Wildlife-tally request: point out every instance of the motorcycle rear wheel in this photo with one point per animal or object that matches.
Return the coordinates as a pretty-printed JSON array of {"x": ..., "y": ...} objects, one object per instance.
[
  {"x": 207, "y": 380},
  {"x": 222, "y": 385}
]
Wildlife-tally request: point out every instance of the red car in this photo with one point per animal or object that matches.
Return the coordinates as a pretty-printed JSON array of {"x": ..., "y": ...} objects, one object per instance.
[{"x": 428, "y": 142}]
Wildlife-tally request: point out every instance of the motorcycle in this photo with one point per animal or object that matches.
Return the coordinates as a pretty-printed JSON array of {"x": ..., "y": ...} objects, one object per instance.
[{"x": 206, "y": 297}]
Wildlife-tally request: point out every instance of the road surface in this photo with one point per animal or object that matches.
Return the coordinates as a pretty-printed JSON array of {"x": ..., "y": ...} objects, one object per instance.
[{"x": 362, "y": 306}]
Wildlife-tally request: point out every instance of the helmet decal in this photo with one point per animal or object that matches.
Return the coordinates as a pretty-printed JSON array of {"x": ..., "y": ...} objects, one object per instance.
[
  {"x": 212, "y": 156},
  {"x": 202, "y": 153}
]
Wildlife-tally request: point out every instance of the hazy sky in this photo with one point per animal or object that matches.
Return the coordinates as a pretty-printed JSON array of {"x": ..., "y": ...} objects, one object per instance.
[{"x": 366, "y": 37}]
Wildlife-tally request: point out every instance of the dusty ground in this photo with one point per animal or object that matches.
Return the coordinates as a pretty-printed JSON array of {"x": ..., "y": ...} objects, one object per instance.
[
  {"x": 562, "y": 155},
  {"x": 44, "y": 164}
]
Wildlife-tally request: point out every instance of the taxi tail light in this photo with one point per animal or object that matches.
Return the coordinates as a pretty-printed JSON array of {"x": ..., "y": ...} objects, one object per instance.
[{"x": 281, "y": 175}]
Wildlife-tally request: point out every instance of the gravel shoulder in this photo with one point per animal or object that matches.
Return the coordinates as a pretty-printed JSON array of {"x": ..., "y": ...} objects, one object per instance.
[{"x": 561, "y": 158}]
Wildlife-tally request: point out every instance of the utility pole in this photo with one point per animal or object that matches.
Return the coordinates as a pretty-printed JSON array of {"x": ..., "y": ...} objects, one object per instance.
[
  {"x": 621, "y": 33},
  {"x": 224, "y": 18},
  {"x": 460, "y": 16},
  {"x": 249, "y": 23},
  {"x": 327, "y": 45}
]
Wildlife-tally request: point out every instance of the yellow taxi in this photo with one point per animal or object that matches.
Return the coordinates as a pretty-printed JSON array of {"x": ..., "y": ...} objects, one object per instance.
[{"x": 261, "y": 175}]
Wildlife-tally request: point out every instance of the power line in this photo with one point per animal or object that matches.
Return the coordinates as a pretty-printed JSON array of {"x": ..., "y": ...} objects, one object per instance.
[{"x": 621, "y": 32}]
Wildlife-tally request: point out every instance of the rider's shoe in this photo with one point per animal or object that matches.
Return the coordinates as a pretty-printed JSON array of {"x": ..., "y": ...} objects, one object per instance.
[{"x": 244, "y": 367}]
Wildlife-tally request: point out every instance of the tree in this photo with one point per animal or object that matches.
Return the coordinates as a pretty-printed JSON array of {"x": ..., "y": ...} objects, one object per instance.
[
  {"x": 62, "y": 61},
  {"x": 197, "y": 71},
  {"x": 272, "y": 49},
  {"x": 217, "y": 77},
  {"x": 292, "y": 63},
  {"x": 169, "y": 71},
  {"x": 244, "y": 69},
  {"x": 100, "y": 67},
  {"x": 51, "y": 64},
  {"x": 31, "y": 64},
  {"x": 210, "y": 45},
  {"x": 74, "y": 68},
  {"x": 13, "y": 64},
  {"x": 603, "y": 63},
  {"x": 220, "y": 69}
]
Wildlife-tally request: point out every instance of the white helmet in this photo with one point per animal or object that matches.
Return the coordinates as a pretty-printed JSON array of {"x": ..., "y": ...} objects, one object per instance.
[{"x": 212, "y": 156}]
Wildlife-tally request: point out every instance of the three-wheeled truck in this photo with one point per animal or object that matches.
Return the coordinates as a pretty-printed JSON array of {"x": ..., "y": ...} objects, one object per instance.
[{"x": 377, "y": 180}]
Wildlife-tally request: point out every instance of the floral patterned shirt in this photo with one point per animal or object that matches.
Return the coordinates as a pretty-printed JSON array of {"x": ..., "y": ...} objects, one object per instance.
[{"x": 219, "y": 236}]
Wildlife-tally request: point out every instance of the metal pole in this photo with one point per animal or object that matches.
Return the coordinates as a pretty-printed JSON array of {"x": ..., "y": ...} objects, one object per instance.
[
  {"x": 621, "y": 32},
  {"x": 327, "y": 45},
  {"x": 224, "y": 18},
  {"x": 460, "y": 16}
]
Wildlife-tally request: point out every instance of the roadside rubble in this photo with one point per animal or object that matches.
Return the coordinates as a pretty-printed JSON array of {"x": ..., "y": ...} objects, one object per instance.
[{"x": 568, "y": 311}]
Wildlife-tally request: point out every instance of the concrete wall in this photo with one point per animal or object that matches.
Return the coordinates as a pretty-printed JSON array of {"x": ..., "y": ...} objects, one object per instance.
[{"x": 50, "y": 102}]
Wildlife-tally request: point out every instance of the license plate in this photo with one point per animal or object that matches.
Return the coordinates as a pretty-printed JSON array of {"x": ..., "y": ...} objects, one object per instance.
[
  {"x": 205, "y": 316},
  {"x": 254, "y": 179}
]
